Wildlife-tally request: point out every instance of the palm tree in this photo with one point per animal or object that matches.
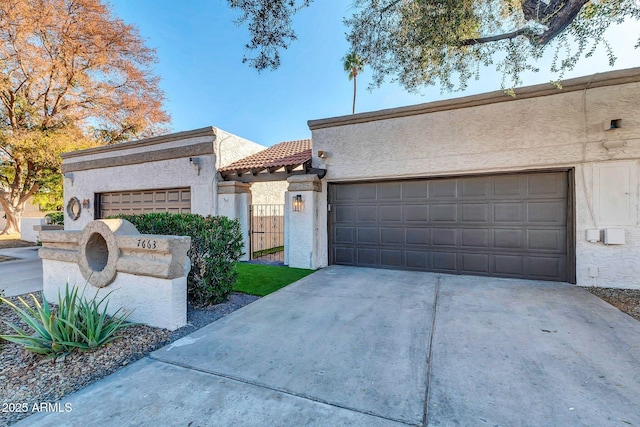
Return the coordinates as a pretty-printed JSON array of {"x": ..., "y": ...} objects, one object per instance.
[{"x": 353, "y": 64}]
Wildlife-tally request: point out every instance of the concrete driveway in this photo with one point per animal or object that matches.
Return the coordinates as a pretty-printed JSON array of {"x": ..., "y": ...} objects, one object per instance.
[
  {"x": 356, "y": 346},
  {"x": 22, "y": 275}
]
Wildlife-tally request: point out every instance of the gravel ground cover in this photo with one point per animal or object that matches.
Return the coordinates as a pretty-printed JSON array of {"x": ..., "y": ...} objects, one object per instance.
[
  {"x": 27, "y": 378},
  {"x": 627, "y": 300}
]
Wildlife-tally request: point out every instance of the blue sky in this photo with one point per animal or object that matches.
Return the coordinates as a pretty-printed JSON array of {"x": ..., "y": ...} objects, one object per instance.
[{"x": 200, "y": 52}]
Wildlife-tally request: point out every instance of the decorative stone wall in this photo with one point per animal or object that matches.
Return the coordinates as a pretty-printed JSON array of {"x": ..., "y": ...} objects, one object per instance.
[{"x": 140, "y": 273}]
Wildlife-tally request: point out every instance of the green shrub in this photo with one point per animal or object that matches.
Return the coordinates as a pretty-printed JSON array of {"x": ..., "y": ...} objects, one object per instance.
[
  {"x": 77, "y": 324},
  {"x": 57, "y": 218},
  {"x": 216, "y": 246}
]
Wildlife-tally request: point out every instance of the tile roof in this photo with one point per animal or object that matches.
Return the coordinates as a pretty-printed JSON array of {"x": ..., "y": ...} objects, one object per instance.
[{"x": 284, "y": 154}]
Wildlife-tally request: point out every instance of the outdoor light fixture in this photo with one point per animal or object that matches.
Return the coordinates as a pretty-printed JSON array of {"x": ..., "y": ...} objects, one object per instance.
[
  {"x": 298, "y": 204},
  {"x": 195, "y": 162}
]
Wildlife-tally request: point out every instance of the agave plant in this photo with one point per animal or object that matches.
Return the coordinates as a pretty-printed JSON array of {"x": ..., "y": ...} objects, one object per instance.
[{"x": 77, "y": 324}]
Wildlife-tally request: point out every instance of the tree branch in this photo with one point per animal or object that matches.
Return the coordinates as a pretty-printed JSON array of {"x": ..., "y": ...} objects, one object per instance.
[
  {"x": 506, "y": 36},
  {"x": 558, "y": 19},
  {"x": 35, "y": 187}
]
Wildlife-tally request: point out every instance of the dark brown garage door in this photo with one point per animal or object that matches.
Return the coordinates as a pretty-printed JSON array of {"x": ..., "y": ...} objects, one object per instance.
[
  {"x": 177, "y": 200},
  {"x": 500, "y": 225}
]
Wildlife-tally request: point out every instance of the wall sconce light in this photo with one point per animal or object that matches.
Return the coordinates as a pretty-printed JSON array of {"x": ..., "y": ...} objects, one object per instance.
[
  {"x": 195, "y": 162},
  {"x": 69, "y": 176},
  {"x": 298, "y": 204},
  {"x": 86, "y": 204}
]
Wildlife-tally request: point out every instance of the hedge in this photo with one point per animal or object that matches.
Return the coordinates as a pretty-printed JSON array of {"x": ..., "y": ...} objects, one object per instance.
[
  {"x": 57, "y": 218},
  {"x": 216, "y": 246}
]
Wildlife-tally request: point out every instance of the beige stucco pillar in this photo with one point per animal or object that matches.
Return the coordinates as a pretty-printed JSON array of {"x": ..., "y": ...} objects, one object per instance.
[
  {"x": 302, "y": 227},
  {"x": 234, "y": 201}
]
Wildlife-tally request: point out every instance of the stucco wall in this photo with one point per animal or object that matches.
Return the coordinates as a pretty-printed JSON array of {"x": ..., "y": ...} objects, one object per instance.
[
  {"x": 156, "y": 163},
  {"x": 173, "y": 173},
  {"x": 268, "y": 193},
  {"x": 230, "y": 148},
  {"x": 563, "y": 130}
]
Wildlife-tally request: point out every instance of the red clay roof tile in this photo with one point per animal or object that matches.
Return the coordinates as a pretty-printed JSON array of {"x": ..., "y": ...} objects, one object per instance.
[{"x": 284, "y": 154}]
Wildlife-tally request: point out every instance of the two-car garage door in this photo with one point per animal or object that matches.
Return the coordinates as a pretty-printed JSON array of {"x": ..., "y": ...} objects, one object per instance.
[
  {"x": 500, "y": 225},
  {"x": 176, "y": 200}
]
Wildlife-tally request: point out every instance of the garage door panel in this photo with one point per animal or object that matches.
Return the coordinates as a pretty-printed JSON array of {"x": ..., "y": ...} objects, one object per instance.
[
  {"x": 418, "y": 236},
  {"x": 545, "y": 267},
  {"x": 553, "y": 240},
  {"x": 546, "y": 185},
  {"x": 508, "y": 238},
  {"x": 344, "y": 235},
  {"x": 173, "y": 196},
  {"x": 366, "y": 192},
  {"x": 509, "y": 265},
  {"x": 444, "y": 236},
  {"x": 390, "y": 213},
  {"x": 392, "y": 236},
  {"x": 476, "y": 212},
  {"x": 475, "y": 187},
  {"x": 416, "y": 213},
  {"x": 346, "y": 193},
  {"x": 367, "y": 257},
  {"x": 366, "y": 213},
  {"x": 442, "y": 188},
  {"x": 345, "y": 214},
  {"x": 511, "y": 225},
  {"x": 475, "y": 263},
  {"x": 391, "y": 258},
  {"x": 508, "y": 212},
  {"x": 415, "y": 190},
  {"x": 388, "y": 191},
  {"x": 444, "y": 213},
  {"x": 476, "y": 238},
  {"x": 552, "y": 213},
  {"x": 445, "y": 261},
  {"x": 345, "y": 256},
  {"x": 417, "y": 260},
  {"x": 508, "y": 186},
  {"x": 368, "y": 235}
]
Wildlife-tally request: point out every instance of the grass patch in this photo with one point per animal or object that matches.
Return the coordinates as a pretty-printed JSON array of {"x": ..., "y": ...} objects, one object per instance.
[
  {"x": 261, "y": 280},
  {"x": 258, "y": 254}
]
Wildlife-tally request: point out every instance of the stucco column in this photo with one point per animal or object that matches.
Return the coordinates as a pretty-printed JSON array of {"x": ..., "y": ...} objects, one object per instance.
[
  {"x": 234, "y": 201},
  {"x": 302, "y": 226}
]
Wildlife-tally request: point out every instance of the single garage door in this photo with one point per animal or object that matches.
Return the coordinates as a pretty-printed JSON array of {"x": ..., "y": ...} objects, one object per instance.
[
  {"x": 501, "y": 225},
  {"x": 176, "y": 200}
]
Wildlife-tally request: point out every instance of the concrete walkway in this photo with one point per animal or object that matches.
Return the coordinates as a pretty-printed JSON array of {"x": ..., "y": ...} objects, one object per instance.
[
  {"x": 24, "y": 274},
  {"x": 354, "y": 346}
]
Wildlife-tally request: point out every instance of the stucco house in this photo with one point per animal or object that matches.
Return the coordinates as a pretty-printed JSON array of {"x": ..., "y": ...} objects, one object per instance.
[
  {"x": 543, "y": 185},
  {"x": 540, "y": 186},
  {"x": 178, "y": 172}
]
